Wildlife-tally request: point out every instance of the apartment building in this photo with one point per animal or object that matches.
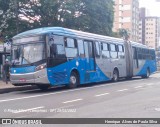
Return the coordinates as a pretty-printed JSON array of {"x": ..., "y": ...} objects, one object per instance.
[
  {"x": 152, "y": 32},
  {"x": 127, "y": 17},
  {"x": 142, "y": 27},
  {"x": 149, "y": 29}
]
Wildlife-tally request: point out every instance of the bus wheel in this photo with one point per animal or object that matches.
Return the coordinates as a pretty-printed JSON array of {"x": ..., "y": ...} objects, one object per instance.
[
  {"x": 147, "y": 74},
  {"x": 73, "y": 81},
  {"x": 115, "y": 75},
  {"x": 43, "y": 87}
]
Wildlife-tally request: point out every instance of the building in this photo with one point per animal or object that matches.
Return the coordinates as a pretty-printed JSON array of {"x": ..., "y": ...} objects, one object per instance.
[
  {"x": 152, "y": 32},
  {"x": 149, "y": 30},
  {"x": 142, "y": 28},
  {"x": 127, "y": 17}
]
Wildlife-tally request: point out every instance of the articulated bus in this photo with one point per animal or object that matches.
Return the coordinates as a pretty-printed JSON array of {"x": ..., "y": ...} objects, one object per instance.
[{"x": 55, "y": 56}]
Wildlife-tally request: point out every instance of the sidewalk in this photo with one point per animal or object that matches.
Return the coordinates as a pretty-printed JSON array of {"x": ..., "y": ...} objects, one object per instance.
[{"x": 6, "y": 88}]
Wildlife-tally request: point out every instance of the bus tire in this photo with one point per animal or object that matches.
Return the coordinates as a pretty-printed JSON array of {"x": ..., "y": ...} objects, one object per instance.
[
  {"x": 73, "y": 80},
  {"x": 115, "y": 75},
  {"x": 43, "y": 87},
  {"x": 147, "y": 73}
]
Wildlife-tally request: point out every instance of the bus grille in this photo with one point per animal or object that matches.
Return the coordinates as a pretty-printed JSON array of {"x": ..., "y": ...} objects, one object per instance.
[{"x": 59, "y": 76}]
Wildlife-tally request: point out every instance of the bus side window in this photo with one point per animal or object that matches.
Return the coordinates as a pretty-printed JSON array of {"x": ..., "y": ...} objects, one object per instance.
[
  {"x": 53, "y": 50},
  {"x": 81, "y": 48},
  {"x": 71, "y": 47},
  {"x": 105, "y": 50},
  {"x": 152, "y": 54},
  {"x": 57, "y": 47},
  {"x": 97, "y": 49},
  {"x": 140, "y": 53},
  {"x": 135, "y": 57},
  {"x": 120, "y": 51},
  {"x": 113, "y": 51}
]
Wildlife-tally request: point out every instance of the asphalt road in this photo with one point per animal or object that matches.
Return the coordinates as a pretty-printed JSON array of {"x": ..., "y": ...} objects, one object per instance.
[{"x": 136, "y": 98}]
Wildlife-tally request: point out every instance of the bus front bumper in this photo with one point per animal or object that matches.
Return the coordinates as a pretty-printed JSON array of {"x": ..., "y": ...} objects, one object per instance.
[{"x": 35, "y": 78}]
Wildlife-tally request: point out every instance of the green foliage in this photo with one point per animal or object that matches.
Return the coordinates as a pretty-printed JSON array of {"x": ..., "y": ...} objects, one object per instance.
[
  {"x": 95, "y": 16},
  {"x": 116, "y": 34},
  {"x": 124, "y": 33}
]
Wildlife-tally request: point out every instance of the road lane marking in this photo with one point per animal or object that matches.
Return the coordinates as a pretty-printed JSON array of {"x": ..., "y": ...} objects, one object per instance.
[
  {"x": 26, "y": 116},
  {"x": 72, "y": 101},
  {"x": 122, "y": 90},
  {"x": 157, "y": 109},
  {"x": 98, "y": 95},
  {"x": 78, "y": 89},
  {"x": 34, "y": 90},
  {"x": 138, "y": 87},
  {"x": 26, "y": 110},
  {"x": 151, "y": 84}
]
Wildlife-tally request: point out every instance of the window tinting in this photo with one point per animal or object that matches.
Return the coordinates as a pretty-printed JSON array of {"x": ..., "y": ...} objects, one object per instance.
[
  {"x": 71, "y": 50},
  {"x": 105, "y": 50},
  {"x": 81, "y": 48},
  {"x": 70, "y": 43},
  {"x": 105, "y": 54},
  {"x": 120, "y": 51},
  {"x": 57, "y": 46},
  {"x": 90, "y": 49},
  {"x": 105, "y": 46},
  {"x": 145, "y": 54},
  {"x": 113, "y": 55},
  {"x": 97, "y": 49},
  {"x": 120, "y": 48},
  {"x": 113, "y": 47},
  {"x": 113, "y": 52},
  {"x": 60, "y": 49}
]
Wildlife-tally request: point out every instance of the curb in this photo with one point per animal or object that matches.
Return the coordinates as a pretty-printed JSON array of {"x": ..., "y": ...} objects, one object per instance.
[{"x": 7, "y": 90}]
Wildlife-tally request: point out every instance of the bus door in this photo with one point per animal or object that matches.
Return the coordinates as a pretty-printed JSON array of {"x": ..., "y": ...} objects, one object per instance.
[
  {"x": 104, "y": 62},
  {"x": 135, "y": 60},
  {"x": 90, "y": 62},
  {"x": 56, "y": 60}
]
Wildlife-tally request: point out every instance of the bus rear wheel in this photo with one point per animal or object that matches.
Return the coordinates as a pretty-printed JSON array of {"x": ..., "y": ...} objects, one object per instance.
[
  {"x": 73, "y": 81},
  {"x": 147, "y": 74},
  {"x": 115, "y": 75}
]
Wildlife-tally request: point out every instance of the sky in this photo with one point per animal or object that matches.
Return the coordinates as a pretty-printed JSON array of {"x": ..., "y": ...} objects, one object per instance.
[{"x": 152, "y": 6}]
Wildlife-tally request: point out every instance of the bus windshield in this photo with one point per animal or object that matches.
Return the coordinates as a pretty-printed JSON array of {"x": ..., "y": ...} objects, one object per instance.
[{"x": 28, "y": 53}]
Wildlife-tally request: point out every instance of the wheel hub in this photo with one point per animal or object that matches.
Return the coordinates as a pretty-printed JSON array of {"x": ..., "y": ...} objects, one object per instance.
[
  {"x": 73, "y": 79},
  {"x": 115, "y": 76}
]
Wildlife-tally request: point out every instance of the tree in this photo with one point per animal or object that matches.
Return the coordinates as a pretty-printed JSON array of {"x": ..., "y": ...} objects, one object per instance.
[
  {"x": 95, "y": 16},
  {"x": 124, "y": 33}
]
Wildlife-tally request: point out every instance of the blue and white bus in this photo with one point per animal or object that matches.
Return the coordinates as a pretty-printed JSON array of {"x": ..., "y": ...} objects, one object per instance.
[{"x": 54, "y": 56}]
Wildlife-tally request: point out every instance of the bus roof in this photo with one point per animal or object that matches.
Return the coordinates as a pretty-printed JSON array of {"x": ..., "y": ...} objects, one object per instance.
[
  {"x": 63, "y": 31},
  {"x": 140, "y": 45},
  {"x": 73, "y": 33}
]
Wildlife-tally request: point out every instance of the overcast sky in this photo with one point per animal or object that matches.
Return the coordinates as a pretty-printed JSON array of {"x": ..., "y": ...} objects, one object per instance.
[{"x": 152, "y": 6}]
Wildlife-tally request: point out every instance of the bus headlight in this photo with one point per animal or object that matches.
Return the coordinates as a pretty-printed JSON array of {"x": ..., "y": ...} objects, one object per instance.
[{"x": 40, "y": 67}]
